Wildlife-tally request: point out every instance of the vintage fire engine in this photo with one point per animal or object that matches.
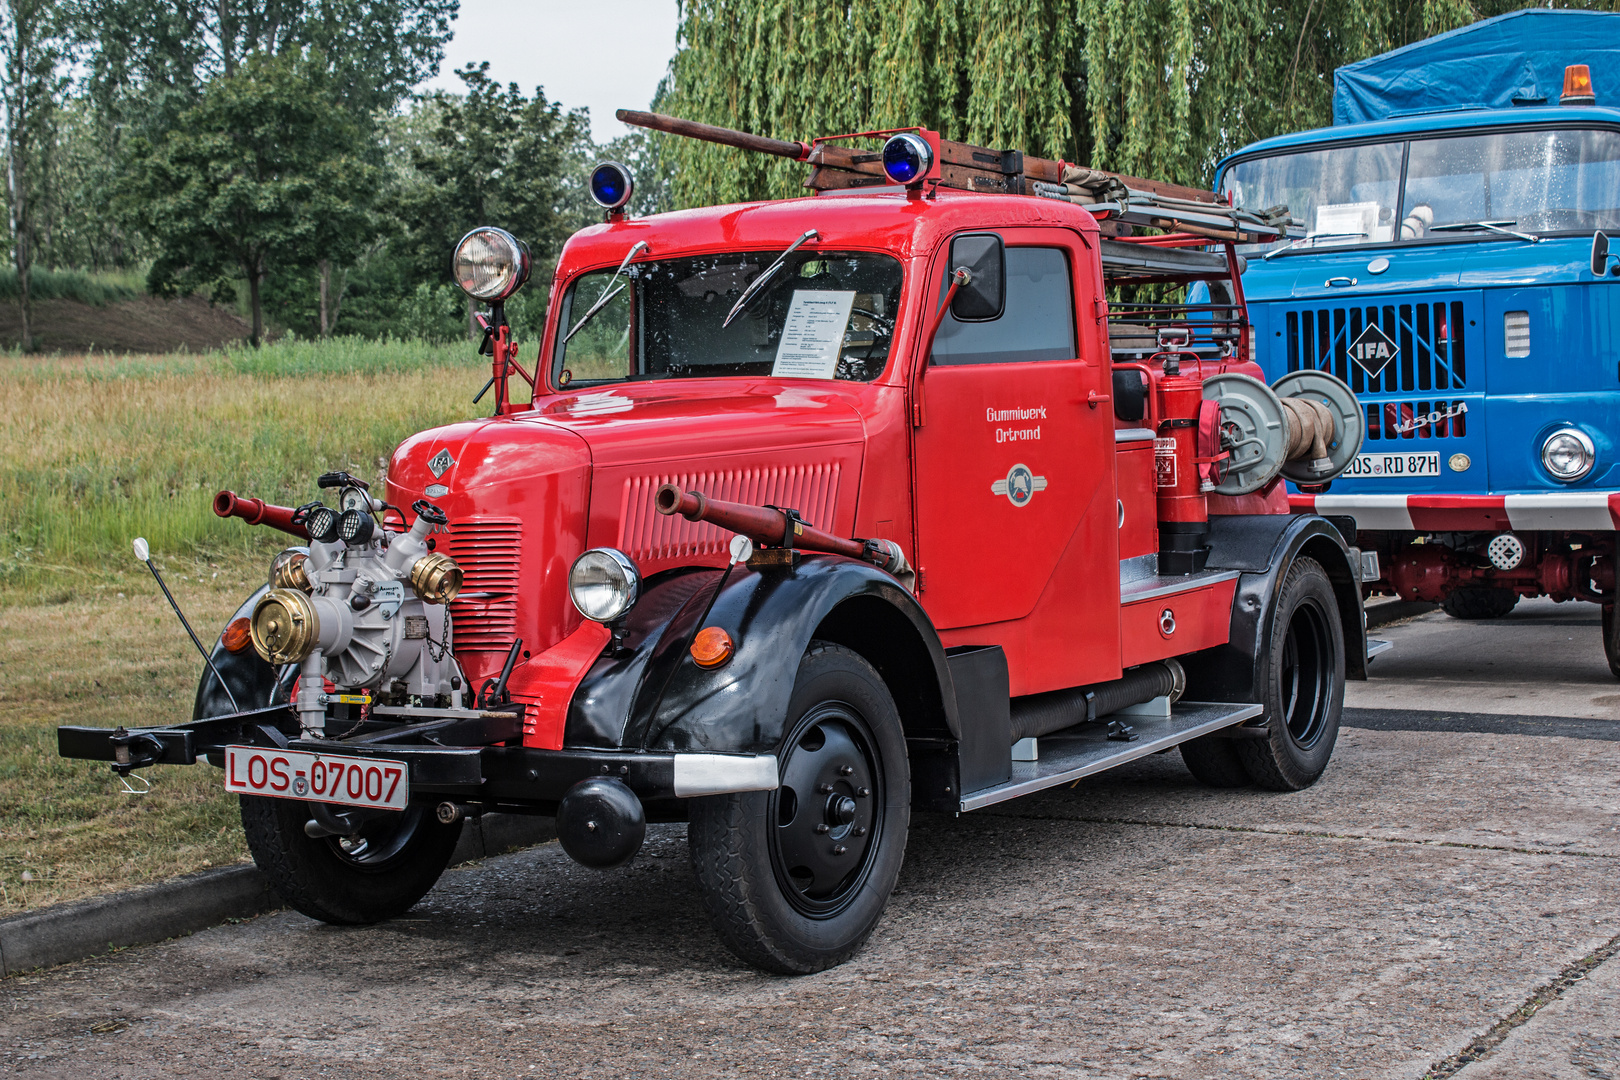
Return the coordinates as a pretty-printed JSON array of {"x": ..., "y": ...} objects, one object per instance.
[{"x": 820, "y": 510}]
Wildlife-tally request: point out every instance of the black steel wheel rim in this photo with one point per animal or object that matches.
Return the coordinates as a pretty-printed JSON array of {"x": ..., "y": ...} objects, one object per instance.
[
  {"x": 380, "y": 842},
  {"x": 826, "y": 819},
  {"x": 1306, "y": 673}
]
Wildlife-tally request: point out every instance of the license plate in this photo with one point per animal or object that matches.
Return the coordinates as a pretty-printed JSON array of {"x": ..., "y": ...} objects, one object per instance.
[
  {"x": 1398, "y": 466},
  {"x": 325, "y": 778}
]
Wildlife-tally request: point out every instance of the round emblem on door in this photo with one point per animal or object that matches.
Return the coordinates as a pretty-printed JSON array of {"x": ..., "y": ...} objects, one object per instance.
[{"x": 1020, "y": 486}]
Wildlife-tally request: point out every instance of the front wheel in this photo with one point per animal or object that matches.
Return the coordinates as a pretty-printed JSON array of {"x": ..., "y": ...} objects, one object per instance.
[
  {"x": 378, "y": 872},
  {"x": 1303, "y": 680},
  {"x": 796, "y": 879}
]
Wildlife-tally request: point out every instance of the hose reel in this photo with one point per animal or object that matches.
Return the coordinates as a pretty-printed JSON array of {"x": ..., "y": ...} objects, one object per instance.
[{"x": 1307, "y": 426}]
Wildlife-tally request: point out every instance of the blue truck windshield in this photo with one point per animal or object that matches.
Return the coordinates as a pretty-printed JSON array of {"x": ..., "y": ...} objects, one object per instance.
[{"x": 1558, "y": 180}]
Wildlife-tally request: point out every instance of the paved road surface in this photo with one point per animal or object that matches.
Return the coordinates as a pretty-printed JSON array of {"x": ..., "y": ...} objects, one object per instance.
[{"x": 1444, "y": 881}]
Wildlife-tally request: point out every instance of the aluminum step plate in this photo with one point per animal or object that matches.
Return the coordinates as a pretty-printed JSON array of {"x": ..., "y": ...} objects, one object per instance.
[
  {"x": 1376, "y": 647},
  {"x": 1068, "y": 755}
]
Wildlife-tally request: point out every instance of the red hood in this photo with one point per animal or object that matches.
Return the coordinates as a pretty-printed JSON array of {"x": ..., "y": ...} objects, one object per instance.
[{"x": 527, "y": 493}]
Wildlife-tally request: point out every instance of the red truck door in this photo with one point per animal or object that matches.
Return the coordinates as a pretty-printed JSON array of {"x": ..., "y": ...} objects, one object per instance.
[{"x": 1016, "y": 514}]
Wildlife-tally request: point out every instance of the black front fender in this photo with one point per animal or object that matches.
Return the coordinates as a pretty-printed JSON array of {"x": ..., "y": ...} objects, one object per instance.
[
  {"x": 253, "y": 682},
  {"x": 650, "y": 694}
]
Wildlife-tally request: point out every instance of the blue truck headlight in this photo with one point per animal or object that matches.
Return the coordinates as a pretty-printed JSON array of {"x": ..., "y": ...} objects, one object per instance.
[
  {"x": 1568, "y": 454},
  {"x": 604, "y": 584}
]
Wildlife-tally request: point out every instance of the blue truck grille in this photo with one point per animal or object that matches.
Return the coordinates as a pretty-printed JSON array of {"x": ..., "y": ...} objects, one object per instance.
[
  {"x": 1429, "y": 334},
  {"x": 1437, "y": 419},
  {"x": 1432, "y": 357}
]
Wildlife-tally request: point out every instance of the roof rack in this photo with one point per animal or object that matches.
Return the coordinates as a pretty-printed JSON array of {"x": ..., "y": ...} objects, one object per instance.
[{"x": 1121, "y": 203}]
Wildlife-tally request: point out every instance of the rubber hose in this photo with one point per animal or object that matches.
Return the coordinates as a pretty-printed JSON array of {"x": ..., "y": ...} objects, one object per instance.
[
  {"x": 1310, "y": 426},
  {"x": 1042, "y": 714}
]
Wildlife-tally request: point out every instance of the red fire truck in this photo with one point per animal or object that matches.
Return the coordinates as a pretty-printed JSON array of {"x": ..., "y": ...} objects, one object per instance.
[{"x": 804, "y": 514}]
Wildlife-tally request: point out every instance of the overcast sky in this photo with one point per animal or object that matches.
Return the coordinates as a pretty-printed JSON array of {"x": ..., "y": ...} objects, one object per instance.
[{"x": 605, "y": 57}]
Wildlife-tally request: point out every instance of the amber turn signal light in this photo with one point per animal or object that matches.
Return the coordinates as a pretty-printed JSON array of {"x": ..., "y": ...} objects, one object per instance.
[
  {"x": 711, "y": 647},
  {"x": 237, "y": 636}
]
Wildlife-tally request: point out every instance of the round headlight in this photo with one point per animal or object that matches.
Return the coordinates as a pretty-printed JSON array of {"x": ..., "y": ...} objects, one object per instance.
[
  {"x": 604, "y": 583},
  {"x": 322, "y": 524},
  {"x": 612, "y": 185},
  {"x": 907, "y": 158},
  {"x": 1568, "y": 454},
  {"x": 490, "y": 264}
]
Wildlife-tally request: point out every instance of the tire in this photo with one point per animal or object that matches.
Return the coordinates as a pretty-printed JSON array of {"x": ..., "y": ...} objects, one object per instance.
[
  {"x": 1303, "y": 677},
  {"x": 1477, "y": 603},
  {"x": 402, "y": 855},
  {"x": 775, "y": 887},
  {"x": 1215, "y": 762},
  {"x": 1611, "y": 639}
]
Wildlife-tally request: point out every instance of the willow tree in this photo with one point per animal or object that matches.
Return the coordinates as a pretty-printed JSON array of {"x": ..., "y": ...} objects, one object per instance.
[{"x": 1154, "y": 87}]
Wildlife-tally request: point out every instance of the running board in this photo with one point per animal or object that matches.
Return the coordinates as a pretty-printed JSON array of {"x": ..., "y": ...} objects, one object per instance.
[
  {"x": 1376, "y": 647},
  {"x": 1068, "y": 755}
]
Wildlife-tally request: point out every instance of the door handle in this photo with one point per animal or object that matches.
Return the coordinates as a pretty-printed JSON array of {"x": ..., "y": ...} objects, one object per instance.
[
  {"x": 1337, "y": 281},
  {"x": 1094, "y": 399}
]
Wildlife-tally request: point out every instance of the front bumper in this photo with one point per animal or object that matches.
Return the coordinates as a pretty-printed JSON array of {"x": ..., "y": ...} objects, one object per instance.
[
  {"x": 495, "y": 775},
  {"x": 1548, "y": 511}
]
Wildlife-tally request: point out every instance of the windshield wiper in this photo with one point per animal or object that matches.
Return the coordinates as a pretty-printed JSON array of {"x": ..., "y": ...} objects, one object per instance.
[
  {"x": 1310, "y": 241},
  {"x": 765, "y": 276},
  {"x": 609, "y": 291},
  {"x": 1494, "y": 226}
]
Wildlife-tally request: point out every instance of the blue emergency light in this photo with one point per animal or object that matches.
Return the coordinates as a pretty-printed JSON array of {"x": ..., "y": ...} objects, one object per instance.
[
  {"x": 612, "y": 185},
  {"x": 907, "y": 158}
]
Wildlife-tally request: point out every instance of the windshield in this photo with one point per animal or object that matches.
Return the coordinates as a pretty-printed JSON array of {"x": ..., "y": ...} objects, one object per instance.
[
  {"x": 1545, "y": 181},
  {"x": 827, "y": 315}
]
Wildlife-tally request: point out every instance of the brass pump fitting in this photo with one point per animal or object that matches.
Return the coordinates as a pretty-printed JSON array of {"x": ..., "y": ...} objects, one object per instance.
[
  {"x": 285, "y": 626},
  {"x": 436, "y": 578},
  {"x": 290, "y": 570}
]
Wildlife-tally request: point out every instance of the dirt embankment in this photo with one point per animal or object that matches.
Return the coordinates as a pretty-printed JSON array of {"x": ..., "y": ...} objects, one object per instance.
[{"x": 144, "y": 324}]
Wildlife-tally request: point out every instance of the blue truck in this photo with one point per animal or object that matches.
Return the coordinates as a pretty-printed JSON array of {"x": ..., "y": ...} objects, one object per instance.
[{"x": 1451, "y": 260}]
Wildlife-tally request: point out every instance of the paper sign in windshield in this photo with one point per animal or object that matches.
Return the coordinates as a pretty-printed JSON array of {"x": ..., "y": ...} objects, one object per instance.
[{"x": 813, "y": 335}]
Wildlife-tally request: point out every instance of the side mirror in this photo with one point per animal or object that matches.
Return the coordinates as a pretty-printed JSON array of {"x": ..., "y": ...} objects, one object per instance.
[
  {"x": 985, "y": 294},
  {"x": 1600, "y": 253}
]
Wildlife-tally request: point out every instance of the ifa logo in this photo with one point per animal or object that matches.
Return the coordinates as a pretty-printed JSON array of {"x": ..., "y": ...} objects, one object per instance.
[
  {"x": 1374, "y": 350},
  {"x": 1020, "y": 486},
  {"x": 440, "y": 463}
]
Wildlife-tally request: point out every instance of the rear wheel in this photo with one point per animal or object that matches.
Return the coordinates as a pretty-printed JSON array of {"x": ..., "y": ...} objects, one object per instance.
[
  {"x": 1303, "y": 677},
  {"x": 1477, "y": 603},
  {"x": 379, "y": 871},
  {"x": 796, "y": 879}
]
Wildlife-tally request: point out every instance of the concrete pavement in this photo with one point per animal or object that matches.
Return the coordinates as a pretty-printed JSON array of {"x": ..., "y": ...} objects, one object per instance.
[{"x": 1442, "y": 902}]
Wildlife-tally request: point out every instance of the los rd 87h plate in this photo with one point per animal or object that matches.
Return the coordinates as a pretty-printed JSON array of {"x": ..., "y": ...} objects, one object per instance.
[
  {"x": 326, "y": 778},
  {"x": 1394, "y": 466}
]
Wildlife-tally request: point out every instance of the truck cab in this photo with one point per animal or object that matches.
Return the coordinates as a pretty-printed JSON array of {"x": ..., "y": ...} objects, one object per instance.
[
  {"x": 1451, "y": 262},
  {"x": 802, "y": 514}
]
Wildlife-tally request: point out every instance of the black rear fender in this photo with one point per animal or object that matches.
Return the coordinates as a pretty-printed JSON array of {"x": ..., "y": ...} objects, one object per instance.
[
  {"x": 1264, "y": 547},
  {"x": 651, "y": 694}
]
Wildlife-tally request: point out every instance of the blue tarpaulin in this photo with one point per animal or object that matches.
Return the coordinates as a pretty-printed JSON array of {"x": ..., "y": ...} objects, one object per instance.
[{"x": 1515, "y": 59}]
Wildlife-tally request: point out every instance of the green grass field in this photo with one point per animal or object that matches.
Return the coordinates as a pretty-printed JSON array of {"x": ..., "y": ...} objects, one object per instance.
[{"x": 94, "y": 452}]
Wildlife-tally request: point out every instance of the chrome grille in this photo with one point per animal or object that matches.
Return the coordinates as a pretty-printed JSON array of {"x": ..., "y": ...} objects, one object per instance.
[
  {"x": 489, "y": 551},
  {"x": 648, "y": 536}
]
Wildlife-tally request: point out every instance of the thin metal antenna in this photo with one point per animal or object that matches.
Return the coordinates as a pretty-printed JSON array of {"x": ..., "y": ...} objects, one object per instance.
[{"x": 144, "y": 553}]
